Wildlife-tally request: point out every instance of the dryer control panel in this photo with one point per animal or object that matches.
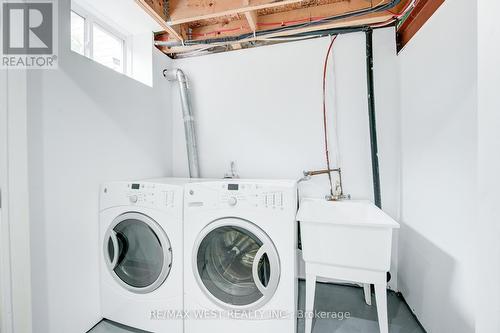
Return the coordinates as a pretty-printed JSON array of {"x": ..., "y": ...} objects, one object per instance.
[
  {"x": 144, "y": 194},
  {"x": 147, "y": 194}
]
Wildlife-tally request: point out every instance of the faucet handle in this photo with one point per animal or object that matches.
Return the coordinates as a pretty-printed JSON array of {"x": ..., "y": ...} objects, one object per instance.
[{"x": 232, "y": 172}]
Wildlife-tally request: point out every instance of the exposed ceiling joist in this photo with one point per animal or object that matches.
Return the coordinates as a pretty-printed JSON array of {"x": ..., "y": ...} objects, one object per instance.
[
  {"x": 424, "y": 9},
  {"x": 372, "y": 19},
  {"x": 234, "y": 24},
  {"x": 153, "y": 11},
  {"x": 277, "y": 20},
  {"x": 252, "y": 20},
  {"x": 184, "y": 11}
]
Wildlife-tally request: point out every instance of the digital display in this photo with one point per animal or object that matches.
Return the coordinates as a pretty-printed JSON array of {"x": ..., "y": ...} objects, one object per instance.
[
  {"x": 135, "y": 186},
  {"x": 232, "y": 187}
]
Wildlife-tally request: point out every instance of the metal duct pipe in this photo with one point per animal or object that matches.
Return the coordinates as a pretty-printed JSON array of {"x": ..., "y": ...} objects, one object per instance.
[{"x": 187, "y": 114}]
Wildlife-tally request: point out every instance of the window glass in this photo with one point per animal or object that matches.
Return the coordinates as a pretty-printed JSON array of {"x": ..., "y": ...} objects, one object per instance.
[
  {"x": 77, "y": 33},
  {"x": 107, "y": 49}
]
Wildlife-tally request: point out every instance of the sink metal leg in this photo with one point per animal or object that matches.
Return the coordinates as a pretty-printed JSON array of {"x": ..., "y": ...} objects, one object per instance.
[
  {"x": 310, "y": 293},
  {"x": 381, "y": 297}
]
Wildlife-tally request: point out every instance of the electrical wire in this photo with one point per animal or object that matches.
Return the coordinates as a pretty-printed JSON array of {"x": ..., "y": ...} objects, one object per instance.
[
  {"x": 325, "y": 121},
  {"x": 218, "y": 32},
  {"x": 267, "y": 24},
  {"x": 335, "y": 115},
  {"x": 372, "y": 9},
  {"x": 396, "y": 16},
  {"x": 378, "y": 8},
  {"x": 263, "y": 34},
  {"x": 411, "y": 4},
  {"x": 319, "y": 18},
  {"x": 287, "y": 25}
]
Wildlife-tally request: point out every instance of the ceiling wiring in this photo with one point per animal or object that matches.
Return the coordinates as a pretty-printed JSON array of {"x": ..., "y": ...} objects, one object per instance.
[
  {"x": 397, "y": 16},
  {"x": 308, "y": 23},
  {"x": 208, "y": 44},
  {"x": 285, "y": 39}
]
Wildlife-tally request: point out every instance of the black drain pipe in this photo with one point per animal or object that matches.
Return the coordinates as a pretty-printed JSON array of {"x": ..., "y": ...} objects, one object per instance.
[{"x": 372, "y": 118}]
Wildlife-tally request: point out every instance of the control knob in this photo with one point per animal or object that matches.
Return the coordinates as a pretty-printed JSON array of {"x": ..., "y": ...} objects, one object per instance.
[
  {"x": 232, "y": 201},
  {"x": 133, "y": 198}
]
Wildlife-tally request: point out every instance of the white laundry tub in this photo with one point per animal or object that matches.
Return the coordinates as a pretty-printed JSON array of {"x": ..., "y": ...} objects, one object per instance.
[{"x": 352, "y": 234}]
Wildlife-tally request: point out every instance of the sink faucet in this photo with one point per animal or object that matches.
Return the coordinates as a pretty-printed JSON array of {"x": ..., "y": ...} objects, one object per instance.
[
  {"x": 336, "y": 195},
  {"x": 232, "y": 172}
]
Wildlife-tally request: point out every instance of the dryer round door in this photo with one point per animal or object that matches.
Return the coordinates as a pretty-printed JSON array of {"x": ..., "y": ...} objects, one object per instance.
[
  {"x": 137, "y": 252},
  {"x": 236, "y": 264}
]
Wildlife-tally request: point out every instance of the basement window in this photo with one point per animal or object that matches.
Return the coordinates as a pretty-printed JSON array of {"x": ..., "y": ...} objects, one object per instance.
[
  {"x": 107, "y": 48},
  {"x": 119, "y": 37},
  {"x": 97, "y": 40}
]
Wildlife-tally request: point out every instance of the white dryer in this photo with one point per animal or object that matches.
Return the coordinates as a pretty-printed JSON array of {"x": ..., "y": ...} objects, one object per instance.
[
  {"x": 141, "y": 254},
  {"x": 240, "y": 256}
]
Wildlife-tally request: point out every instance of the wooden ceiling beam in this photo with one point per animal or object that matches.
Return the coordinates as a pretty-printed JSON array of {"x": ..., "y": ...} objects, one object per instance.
[
  {"x": 272, "y": 21},
  {"x": 399, "y": 7},
  {"x": 355, "y": 21},
  {"x": 184, "y": 11},
  {"x": 245, "y": 21},
  {"x": 153, "y": 12},
  {"x": 422, "y": 12},
  {"x": 252, "y": 20}
]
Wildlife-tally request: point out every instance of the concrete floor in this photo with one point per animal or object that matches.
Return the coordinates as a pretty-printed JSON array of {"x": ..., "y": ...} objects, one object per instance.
[
  {"x": 332, "y": 298},
  {"x": 363, "y": 318}
]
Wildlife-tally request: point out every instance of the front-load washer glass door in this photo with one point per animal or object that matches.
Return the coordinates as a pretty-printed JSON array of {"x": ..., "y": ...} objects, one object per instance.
[
  {"x": 138, "y": 252},
  {"x": 236, "y": 264}
]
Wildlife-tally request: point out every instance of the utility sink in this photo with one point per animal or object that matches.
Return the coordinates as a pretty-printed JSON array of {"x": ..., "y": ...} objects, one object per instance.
[
  {"x": 349, "y": 241},
  {"x": 350, "y": 233}
]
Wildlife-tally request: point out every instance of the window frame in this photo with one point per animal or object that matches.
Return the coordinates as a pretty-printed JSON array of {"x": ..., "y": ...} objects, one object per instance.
[
  {"x": 85, "y": 39},
  {"x": 91, "y": 19}
]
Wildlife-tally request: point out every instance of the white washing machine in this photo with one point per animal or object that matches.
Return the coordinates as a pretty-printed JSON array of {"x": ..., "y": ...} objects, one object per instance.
[
  {"x": 141, "y": 254},
  {"x": 240, "y": 256}
]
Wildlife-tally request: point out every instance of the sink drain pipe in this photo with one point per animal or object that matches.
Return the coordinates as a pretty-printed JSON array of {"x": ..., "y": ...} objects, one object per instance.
[
  {"x": 187, "y": 115},
  {"x": 372, "y": 118}
]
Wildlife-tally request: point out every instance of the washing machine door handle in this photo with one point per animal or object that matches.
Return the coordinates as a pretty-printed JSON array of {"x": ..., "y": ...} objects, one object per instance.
[
  {"x": 255, "y": 270},
  {"x": 116, "y": 250}
]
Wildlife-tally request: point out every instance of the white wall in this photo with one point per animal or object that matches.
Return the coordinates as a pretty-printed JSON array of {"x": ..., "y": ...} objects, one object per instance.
[
  {"x": 262, "y": 108},
  {"x": 5, "y": 298},
  {"x": 87, "y": 125},
  {"x": 15, "y": 277},
  {"x": 439, "y": 138},
  {"x": 488, "y": 231},
  {"x": 15, "y": 222}
]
